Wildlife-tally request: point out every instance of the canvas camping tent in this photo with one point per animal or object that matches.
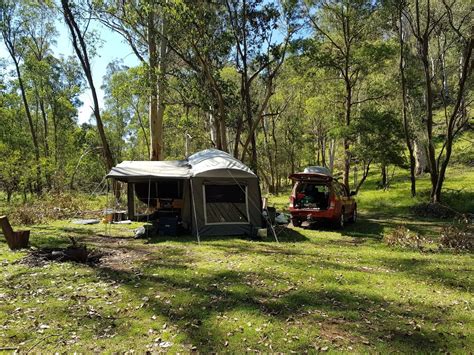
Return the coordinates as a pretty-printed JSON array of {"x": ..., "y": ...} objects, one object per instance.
[{"x": 216, "y": 194}]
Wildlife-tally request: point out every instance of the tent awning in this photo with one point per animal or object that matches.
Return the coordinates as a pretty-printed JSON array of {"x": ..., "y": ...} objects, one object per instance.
[{"x": 143, "y": 170}]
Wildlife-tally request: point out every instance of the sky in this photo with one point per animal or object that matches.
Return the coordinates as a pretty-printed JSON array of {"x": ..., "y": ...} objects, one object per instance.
[{"x": 113, "y": 47}]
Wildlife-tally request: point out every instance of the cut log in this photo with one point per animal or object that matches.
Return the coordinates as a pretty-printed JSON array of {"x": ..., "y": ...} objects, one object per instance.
[{"x": 15, "y": 240}]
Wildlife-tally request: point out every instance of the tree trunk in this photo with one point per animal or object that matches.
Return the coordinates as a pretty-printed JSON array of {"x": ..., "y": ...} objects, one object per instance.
[
  {"x": 421, "y": 161},
  {"x": 323, "y": 151},
  {"x": 384, "y": 176},
  {"x": 423, "y": 47},
  {"x": 364, "y": 176},
  {"x": 402, "y": 63},
  {"x": 346, "y": 143},
  {"x": 332, "y": 154},
  {"x": 465, "y": 69},
  {"x": 271, "y": 165},
  {"x": 30, "y": 124},
  {"x": 155, "y": 148},
  {"x": 80, "y": 48},
  {"x": 162, "y": 88}
]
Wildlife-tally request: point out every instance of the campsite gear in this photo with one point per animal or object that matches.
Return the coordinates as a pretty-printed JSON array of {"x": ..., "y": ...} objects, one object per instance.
[
  {"x": 85, "y": 221},
  {"x": 211, "y": 191},
  {"x": 168, "y": 225},
  {"x": 282, "y": 218},
  {"x": 119, "y": 216},
  {"x": 146, "y": 231},
  {"x": 140, "y": 232},
  {"x": 271, "y": 214},
  {"x": 127, "y": 221},
  {"x": 262, "y": 232},
  {"x": 108, "y": 215},
  {"x": 15, "y": 240}
]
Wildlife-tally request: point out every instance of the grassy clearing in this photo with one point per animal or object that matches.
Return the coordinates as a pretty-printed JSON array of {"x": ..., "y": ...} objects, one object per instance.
[{"x": 315, "y": 290}]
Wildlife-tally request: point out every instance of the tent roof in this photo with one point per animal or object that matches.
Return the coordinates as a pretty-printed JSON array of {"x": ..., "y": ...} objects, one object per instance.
[
  {"x": 216, "y": 163},
  {"x": 143, "y": 170},
  {"x": 206, "y": 163}
]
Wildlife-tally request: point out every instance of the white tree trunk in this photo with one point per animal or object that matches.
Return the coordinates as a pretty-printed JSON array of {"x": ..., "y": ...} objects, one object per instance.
[
  {"x": 421, "y": 159},
  {"x": 332, "y": 154}
]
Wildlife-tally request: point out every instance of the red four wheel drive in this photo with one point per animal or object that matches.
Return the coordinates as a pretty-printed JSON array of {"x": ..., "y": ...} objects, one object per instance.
[{"x": 317, "y": 196}]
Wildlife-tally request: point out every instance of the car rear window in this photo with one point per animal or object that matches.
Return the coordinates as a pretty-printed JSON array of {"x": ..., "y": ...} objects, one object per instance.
[{"x": 307, "y": 187}]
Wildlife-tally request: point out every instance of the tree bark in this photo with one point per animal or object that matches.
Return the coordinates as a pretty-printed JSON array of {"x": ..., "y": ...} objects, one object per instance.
[
  {"x": 466, "y": 69},
  {"x": 163, "y": 66},
  {"x": 155, "y": 147},
  {"x": 384, "y": 176},
  {"x": 364, "y": 176},
  {"x": 30, "y": 119},
  {"x": 349, "y": 85},
  {"x": 80, "y": 48},
  {"x": 421, "y": 163},
  {"x": 406, "y": 128},
  {"x": 332, "y": 154}
]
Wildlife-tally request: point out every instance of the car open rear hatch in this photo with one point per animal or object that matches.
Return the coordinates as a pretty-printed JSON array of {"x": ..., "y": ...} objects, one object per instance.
[{"x": 316, "y": 177}]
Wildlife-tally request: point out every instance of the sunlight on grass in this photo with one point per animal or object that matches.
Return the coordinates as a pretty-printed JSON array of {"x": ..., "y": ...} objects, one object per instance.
[{"x": 317, "y": 290}]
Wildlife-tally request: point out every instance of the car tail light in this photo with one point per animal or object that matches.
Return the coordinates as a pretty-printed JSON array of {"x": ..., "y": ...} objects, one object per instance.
[
  {"x": 292, "y": 200},
  {"x": 332, "y": 203}
]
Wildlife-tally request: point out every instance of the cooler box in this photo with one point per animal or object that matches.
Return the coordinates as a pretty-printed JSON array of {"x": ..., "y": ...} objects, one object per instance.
[{"x": 168, "y": 226}]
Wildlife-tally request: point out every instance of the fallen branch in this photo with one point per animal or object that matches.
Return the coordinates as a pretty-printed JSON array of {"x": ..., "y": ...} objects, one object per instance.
[{"x": 41, "y": 340}]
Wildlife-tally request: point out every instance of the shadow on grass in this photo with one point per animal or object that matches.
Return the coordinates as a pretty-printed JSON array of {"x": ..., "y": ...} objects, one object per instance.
[
  {"x": 363, "y": 228},
  {"x": 197, "y": 300},
  {"x": 284, "y": 235},
  {"x": 357, "y": 315},
  {"x": 423, "y": 270}
]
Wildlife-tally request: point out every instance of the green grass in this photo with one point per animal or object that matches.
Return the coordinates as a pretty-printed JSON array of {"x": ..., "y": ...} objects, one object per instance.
[{"x": 317, "y": 289}]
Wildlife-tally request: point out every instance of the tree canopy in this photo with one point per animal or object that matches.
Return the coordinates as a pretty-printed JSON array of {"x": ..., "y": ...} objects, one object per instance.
[{"x": 346, "y": 84}]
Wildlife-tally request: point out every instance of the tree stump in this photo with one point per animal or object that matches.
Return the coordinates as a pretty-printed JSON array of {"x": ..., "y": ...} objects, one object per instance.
[{"x": 15, "y": 240}]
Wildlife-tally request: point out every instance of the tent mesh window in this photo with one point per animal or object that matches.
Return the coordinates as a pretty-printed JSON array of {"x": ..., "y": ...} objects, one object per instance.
[
  {"x": 168, "y": 189},
  {"x": 226, "y": 204}
]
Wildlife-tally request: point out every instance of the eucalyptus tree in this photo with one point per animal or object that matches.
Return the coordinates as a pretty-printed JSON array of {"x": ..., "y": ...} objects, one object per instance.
[
  {"x": 15, "y": 142},
  {"x": 443, "y": 44},
  {"x": 348, "y": 41},
  {"x": 77, "y": 20},
  {"x": 125, "y": 111},
  {"x": 258, "y": 53},
  {"x": 12, "y": 26},
  {"x": 144, "y": 25},
  {"x": 204, "y": 45},
  {"x": 40, "y": 34},
  {"x": 381, "y": 141}
]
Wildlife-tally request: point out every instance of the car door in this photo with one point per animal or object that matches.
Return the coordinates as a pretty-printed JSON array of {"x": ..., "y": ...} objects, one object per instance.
[{"x": 347, "y": 200}]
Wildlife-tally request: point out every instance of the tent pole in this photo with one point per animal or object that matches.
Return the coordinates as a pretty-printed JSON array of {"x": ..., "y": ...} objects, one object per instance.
[
  {"x": 148, "y": 207},
  {"x": 194, "y": 210}
]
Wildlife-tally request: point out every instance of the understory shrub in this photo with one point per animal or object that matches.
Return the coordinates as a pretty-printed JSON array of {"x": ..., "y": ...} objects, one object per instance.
[
  {"x": 53, "y": 207},
  {"x": 404, "y": 238},
  {"x": 459, "y": 236}
]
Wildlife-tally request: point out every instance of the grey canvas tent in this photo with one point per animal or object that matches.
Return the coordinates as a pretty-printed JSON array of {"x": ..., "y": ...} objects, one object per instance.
[{"x": 213, "y": 193}]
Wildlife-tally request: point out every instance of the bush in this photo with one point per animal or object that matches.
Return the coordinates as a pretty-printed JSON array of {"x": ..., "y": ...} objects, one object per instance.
[
  {"x": 433, "y": 210},
  {"x": 459, "y": 236},
  {"x": 403, "y": 237},
  {"x": 53, "y": 207}
]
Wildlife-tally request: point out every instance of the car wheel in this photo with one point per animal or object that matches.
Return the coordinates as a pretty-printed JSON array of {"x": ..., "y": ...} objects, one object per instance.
[
  {"x": 353, "y": 218},
  {"x": 296, "y": 222},
  {"x": 339, "y": 224}
]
